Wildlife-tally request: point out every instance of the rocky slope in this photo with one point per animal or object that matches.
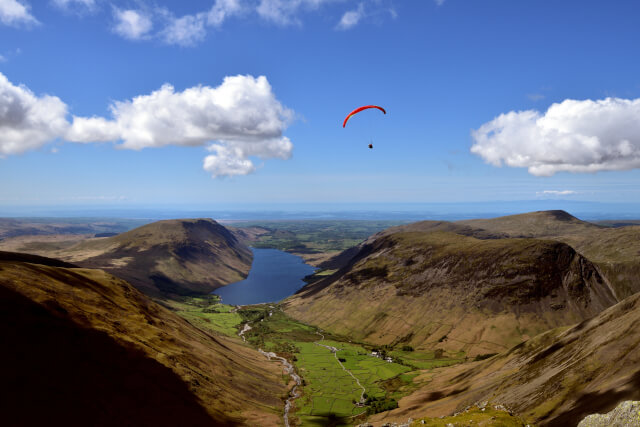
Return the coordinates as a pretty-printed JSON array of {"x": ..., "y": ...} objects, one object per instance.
[
  {"x": 615, "y": 251},
  {"x": 168, "y": 257},
  {"x": 556, "y": 378},
  {"x": 82, "y": 347},
  {"x": 449, "y": 286},
  {"x": 624, "y": 415}
]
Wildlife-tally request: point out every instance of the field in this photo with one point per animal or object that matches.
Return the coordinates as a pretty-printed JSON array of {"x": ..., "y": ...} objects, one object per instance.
[
  {"x": 330, "y": 392},
  {"x": 206, "y": 312},
  {"x": 314, "y": 237}
]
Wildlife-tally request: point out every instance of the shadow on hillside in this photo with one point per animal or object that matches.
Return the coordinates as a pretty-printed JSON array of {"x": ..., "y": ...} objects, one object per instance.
[{"x": 54, "y": 372}]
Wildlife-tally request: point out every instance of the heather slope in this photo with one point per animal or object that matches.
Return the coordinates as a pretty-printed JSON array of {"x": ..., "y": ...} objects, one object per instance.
[
  {"x": 85, "y": 347},
  {"x": 429, "y": 288}
]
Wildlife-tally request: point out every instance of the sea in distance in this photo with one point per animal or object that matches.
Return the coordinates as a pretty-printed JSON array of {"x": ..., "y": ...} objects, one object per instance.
[{"x": 274, "y": 275}]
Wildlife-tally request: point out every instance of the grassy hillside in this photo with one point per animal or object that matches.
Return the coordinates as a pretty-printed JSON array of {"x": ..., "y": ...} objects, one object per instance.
[
  {"x": 193, "y": 256},
  {"x": 556, "y": 378},
  {"x": 82, "y": 347},
  {"x": 439, "y": 289}
]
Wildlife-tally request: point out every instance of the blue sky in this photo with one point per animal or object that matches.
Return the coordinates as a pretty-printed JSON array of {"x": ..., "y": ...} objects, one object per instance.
[{"x": 467, "y": 85}]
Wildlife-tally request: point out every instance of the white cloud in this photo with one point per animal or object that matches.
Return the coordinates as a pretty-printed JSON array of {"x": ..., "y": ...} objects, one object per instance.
[
  {"x": 351, "y": 18},
  {"x": 186, "y": 30},
  {"x": 572, "y": 136},
  {"x": 93, "y": 129},
  {"x": 65, "y": 4},
  {"x": 439, "y": 2},
  {"x": 3, "y": 59},
  {"x": 239, "y": 119},
  {"x": 284, "y": 12},
  {"x": 222, "y": 9},
  {"x": 28, "y": 121},
  {"x": 556, "y": 193},
  {"x": 132, "y": 24},
  {"x": 242, "y": 114},
  {"x": 14, "y": 13}
]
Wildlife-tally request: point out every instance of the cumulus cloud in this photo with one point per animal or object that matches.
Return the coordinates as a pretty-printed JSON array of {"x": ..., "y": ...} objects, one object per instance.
[
  {"x": 351, "y": 18},
  {"x": 242, "y": 115},
  {"x": 556, "y": 193},
  {"x": 93, "y": 129},
  {"x": 15, "y": 13},
  {"x": 239, "y": 119},
  {"x": 28, "y": 121},
  {"x": 132, "y": 24},
  {"x": 572, "y": 136}
]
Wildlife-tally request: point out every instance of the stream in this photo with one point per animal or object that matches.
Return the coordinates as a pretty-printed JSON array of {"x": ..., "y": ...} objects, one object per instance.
[{"x": 288, "y": 368}]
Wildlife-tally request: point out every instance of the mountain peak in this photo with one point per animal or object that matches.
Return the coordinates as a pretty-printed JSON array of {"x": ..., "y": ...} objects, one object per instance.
[
  {"x": 175, "y": 256},
  {"x": 558, "y": 214}
]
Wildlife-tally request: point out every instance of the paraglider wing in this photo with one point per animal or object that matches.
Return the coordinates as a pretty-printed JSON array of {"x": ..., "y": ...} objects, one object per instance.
[{"x": 357, "y": 110}]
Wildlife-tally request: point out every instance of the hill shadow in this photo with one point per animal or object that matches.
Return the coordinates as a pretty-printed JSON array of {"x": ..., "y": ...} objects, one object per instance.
[{"x": 54, "y": 372}]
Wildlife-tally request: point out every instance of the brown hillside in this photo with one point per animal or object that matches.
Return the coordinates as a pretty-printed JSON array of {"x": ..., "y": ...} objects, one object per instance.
[
  {"x": 82, "y": 347},
  {"x": 616, "y": 251},
  {"x": 534, "y": 224},
  {"x": 556, "y": 378},
  {"x": 445, "y": 290},
  {"x": 173, "y": 256}
]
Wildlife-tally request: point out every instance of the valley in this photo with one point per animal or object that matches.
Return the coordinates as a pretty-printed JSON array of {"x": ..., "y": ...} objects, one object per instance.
[
  {"x": 518, "y": 317},
  {"x": 306, "y": 213},
  {"x": 342, "y": 382}
]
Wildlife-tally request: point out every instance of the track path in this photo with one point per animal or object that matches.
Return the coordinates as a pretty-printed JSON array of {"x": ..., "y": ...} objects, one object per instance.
[{"x": 335, "y": 353}]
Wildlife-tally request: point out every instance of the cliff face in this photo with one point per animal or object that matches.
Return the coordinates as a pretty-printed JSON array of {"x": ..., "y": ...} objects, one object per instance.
[
  {"x": 613, "y": 250},
  {"x": 168, "y": 257},
  {"x": 86, "y": 348},
  {"x": 457, "y": 292}
]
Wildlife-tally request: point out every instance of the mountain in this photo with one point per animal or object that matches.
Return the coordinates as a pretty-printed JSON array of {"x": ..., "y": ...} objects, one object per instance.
[
  {"x": 556, "y": 378},
  {"x": 437, "y": 284},
  {"x": 13, "y": 227},
  {"x": 534, "y": 224},
  {"x": 82, "y": 347},
  {"x": 168, "y": 257},
  {"x": 615, "y": 251}
]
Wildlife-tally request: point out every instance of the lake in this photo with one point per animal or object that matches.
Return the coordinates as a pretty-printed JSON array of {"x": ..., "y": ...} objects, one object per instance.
[{"x": 274, "y": 275}]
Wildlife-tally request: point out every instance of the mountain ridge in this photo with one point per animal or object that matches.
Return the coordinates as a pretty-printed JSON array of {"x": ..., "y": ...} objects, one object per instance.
[{"x": 421, "y": 287}]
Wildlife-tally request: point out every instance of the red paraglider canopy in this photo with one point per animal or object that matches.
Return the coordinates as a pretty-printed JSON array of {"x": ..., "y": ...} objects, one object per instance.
[{"x": 357, "y": 110}]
